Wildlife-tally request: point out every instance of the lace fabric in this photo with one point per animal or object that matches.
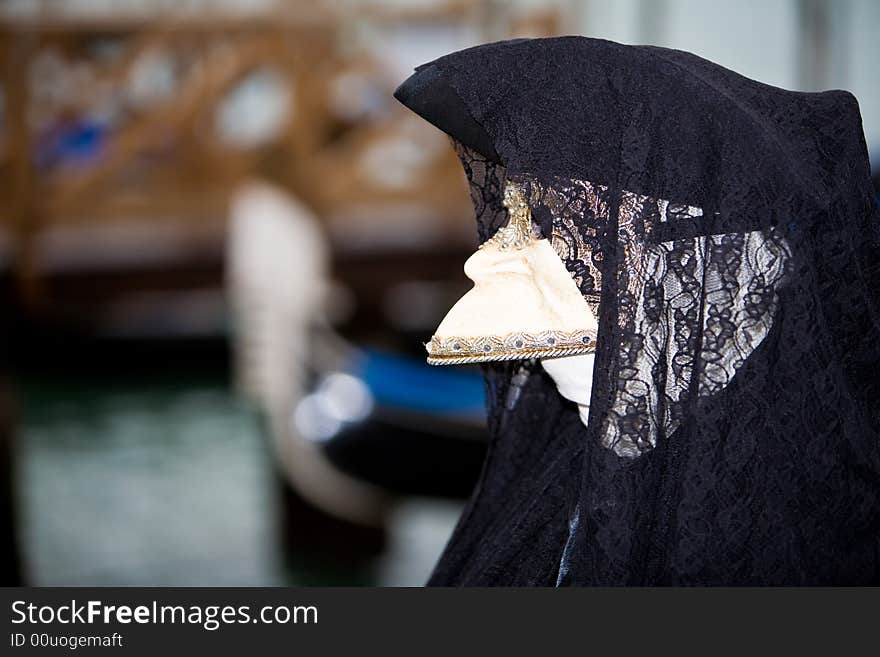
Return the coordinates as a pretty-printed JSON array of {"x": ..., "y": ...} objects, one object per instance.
[
  {"x": 720, "y": 287},
  {"x": 486, "y": 187},
  {"x": 726, "y": 236}
]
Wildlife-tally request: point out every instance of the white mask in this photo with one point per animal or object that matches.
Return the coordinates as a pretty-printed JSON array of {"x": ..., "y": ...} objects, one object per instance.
[{"x": 524, "y": 304}]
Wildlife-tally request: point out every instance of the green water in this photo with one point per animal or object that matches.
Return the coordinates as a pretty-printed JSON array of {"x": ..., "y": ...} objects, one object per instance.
[
  {"x": 161, "y": 483},
  {"x": 170, "y": 482}
]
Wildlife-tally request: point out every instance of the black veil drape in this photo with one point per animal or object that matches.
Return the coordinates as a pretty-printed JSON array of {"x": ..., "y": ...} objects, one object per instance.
[{"x": 726, "y": 234}]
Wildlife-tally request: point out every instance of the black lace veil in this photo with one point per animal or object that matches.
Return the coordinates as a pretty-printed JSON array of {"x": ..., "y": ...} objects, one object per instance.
[{"x": 726, "y": 236}]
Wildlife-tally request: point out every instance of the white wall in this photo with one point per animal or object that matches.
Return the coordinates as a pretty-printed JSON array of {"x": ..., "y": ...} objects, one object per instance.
[
  {"x": 863, "y": 64},
  {"x": 762, "y": 39}
]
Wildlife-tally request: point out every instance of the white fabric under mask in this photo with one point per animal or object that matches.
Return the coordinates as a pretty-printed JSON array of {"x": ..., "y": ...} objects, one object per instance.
[
  {"x": 524, "y": 303},
  {"x": 573, "y": 376}
]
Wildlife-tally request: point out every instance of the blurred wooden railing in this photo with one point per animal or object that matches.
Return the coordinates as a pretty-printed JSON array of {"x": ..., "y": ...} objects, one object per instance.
[{"x": 165, "y": 159}]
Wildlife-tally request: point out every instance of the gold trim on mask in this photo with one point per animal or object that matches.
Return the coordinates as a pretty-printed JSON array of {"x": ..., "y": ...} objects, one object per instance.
[{"x": 514, "y": 346}]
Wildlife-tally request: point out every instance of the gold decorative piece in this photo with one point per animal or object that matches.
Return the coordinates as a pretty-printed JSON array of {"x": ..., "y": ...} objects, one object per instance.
[
  {"x": 514, "y": 346},
  {"x": 518, "y": 232}
]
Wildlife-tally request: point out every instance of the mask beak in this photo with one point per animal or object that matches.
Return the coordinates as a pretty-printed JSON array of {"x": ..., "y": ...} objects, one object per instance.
[{"x": 524, "y": 304}]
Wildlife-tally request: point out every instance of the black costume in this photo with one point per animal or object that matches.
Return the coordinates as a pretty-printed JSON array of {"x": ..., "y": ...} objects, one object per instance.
[{"x": 727, "y": 235}]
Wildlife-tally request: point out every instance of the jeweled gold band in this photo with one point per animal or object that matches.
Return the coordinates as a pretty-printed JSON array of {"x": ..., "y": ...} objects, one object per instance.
[{"x": 516, "y": 346}]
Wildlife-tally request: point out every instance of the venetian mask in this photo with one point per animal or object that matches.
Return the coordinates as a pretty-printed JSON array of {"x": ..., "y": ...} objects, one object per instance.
[{"x": 524, "y": 303}]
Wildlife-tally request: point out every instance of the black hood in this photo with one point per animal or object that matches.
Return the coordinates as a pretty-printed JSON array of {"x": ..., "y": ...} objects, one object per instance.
[{"x": 726, "y": 232}]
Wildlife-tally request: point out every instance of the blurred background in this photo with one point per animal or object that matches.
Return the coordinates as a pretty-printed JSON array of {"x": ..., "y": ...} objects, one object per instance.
[{"x": 222, "y": 245}]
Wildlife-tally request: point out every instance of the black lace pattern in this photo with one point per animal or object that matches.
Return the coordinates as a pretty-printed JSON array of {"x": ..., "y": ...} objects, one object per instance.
[
  {"x": 486, "y": 186},
  {"x": 727, "y": 235},
  {"x": 722, "y": 288}
]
